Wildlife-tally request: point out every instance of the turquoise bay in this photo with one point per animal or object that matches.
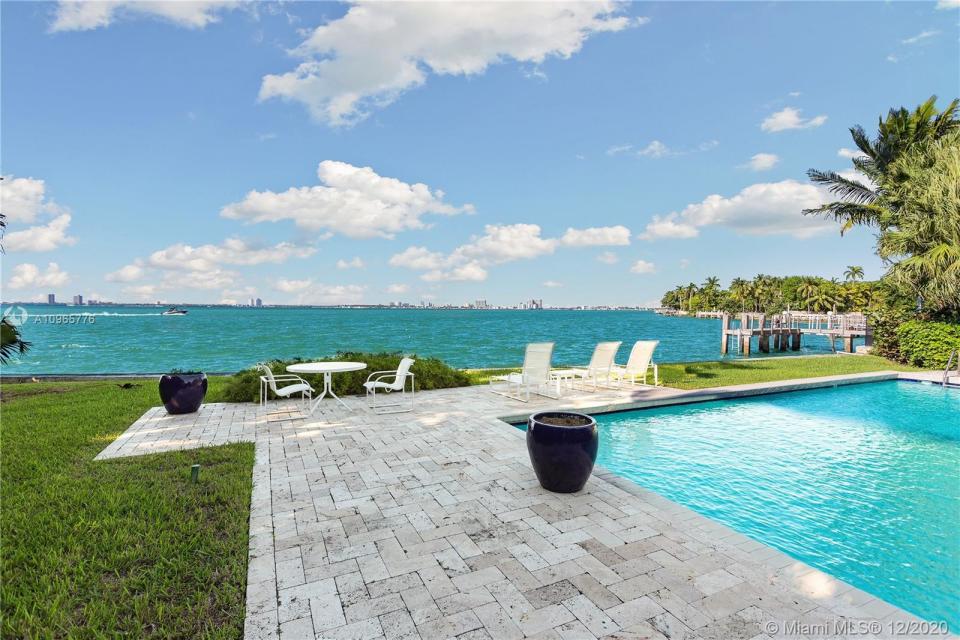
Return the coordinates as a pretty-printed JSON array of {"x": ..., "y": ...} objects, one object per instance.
[{"x": 130, "y": 339}]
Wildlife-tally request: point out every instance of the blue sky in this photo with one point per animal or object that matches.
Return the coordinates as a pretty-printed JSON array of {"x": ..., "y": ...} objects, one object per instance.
[{"x": 583, "y": 153}]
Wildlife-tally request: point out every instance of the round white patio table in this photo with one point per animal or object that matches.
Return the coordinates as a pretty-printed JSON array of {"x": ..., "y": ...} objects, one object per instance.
[{"x": 327, "y": 369}]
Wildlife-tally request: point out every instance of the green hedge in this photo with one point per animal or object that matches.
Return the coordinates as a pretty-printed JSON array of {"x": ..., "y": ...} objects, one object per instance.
[
  {"x": 429, "y": 373},
  {"x": 927, "y": 344}
]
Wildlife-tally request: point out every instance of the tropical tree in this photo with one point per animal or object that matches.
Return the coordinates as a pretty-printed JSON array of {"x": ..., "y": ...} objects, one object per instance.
[
  {"x": 807, "y": 291},
  {"x": 11, "y": 341},
  {"x": 899, "y": 132},
  {"x": 710, "y": 292},
  {"x": 923, "y": 246},
  {"x": 740, "y": 292},
  {"x": 853, "y": 273}
]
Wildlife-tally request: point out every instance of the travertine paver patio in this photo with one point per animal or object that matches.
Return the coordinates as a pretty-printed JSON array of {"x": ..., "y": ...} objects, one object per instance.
[{"x": 431, "y": 524}]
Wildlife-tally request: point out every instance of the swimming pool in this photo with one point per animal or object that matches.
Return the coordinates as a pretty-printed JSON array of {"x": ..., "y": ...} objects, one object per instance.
[{"x": 860, "y": 481}]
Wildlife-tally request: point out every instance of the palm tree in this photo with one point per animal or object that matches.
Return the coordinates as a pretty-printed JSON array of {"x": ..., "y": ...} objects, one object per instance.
[
  {"x": 739, "y": 289},
  {"x": 899, "y": 132},
  {"x": 853, "y": 273},
  {"x": 710, "y": 291},
  {"x": 807, "y": 291},
  {"x": 11, "y": 342},
  {"x": 923, "y": 248},
  {"x": 690, "y": 290}
]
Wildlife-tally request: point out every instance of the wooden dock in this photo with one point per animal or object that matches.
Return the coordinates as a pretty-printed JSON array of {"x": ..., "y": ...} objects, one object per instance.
[{"x": 782, "y": 331}]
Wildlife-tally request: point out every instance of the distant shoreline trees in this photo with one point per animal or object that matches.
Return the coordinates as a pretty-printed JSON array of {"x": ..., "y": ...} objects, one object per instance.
[{"x": 772, "y": 294}]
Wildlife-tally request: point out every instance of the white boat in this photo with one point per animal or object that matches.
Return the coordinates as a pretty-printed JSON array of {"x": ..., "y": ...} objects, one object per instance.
[{"x": 173, "y": 311}]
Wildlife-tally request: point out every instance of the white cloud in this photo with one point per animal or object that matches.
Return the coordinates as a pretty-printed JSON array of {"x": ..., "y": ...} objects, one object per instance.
[
  {"x": 618, "y": 149},
  {"x": 29, "y": 276},
  {"x": 505, "y": 243},
  {"x": 668, "y": 227},
  {"x": 398, "y": 288},
  {"x": 79, "y": 15},
  {"x": 608, "y": 257},
  {"x": 760, "y": 209},
  {"x": 642, "y": 266},
  {"x": 332, "y": 294},
  {"x": 24, "y": 199},
  {"x": 129, "y": 273},
  {"x": 501, "y": 244},
  {"x": 367, "y": 58},
  {"x": 948, "y": 4},
  {"x": 763, "y": 161},
  {"x": 353, "y": 201},
  {"x": 205, "y": 280},
  {"x": 418, "y": 258},
  {"x": 655, "y": 149},
  {"x": 843, "y": 152},
  {"x": 684, "y": 263},
  {"x": 291, "y": 286},
  {"x": 552, "y": 284},
  {"x": 617, "y": 235},
  {"x": 42, "y": 237},
  {"x": 789, "y": 118},
  {"x": 354, "y": 263},
  {"x": 233, "y": 251},
  {"x": 471, "y": 271},
  {"x": 142, "y": 291},
  {"x": 920, "y": 37}
]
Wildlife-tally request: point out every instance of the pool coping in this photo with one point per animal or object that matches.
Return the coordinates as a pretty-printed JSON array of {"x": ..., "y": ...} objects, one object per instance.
[
  {"x": 845, "y": 600},
  {"x": 708, "y": 394}
]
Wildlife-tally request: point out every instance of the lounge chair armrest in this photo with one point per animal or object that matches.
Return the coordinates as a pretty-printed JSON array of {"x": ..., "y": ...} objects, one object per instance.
[{"x": 380, "y": 374}]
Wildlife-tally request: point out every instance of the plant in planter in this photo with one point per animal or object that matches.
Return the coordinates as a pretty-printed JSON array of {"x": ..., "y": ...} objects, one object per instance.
[
  {"x": 563, "y": 447},
  {"x": 183, "y": 391}
]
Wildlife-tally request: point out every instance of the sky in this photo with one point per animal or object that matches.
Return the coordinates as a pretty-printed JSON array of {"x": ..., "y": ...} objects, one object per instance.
[{"x": 325, "y": 153}]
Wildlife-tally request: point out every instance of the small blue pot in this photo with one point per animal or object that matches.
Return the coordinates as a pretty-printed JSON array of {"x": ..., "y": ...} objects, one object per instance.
[{"x": 183, "y": 393}]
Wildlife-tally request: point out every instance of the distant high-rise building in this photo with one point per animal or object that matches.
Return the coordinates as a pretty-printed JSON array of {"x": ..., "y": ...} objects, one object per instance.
[
  {"x": 51, "y": 298},
  {"x": 259, "y": 302},
  {"x": 78, "y": 300},
  {"x": 251, "y": 302}
]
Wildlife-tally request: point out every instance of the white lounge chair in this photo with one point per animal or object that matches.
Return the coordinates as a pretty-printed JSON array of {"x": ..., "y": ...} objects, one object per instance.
[
  {"x": 268, "y": 383},
  {"x": 598, "y": 371},
  {"x": 639, "y": 362},
  {"x": 389, "y": 382},
  {"x": 534, "y": 377}
]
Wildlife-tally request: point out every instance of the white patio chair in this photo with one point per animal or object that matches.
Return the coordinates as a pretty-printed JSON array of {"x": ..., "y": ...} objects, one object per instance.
[
  {"x": 534, "y": 377},
  {"x": 268, "y": 383},
  {"x": 638, "y": 364},
  {"x": 601, "y": 363},
  {"x": 389, "y": 382}
]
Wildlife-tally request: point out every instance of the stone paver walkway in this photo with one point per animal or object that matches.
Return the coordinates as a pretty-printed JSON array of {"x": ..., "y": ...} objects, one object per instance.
[{"x": 431, "y": 524}]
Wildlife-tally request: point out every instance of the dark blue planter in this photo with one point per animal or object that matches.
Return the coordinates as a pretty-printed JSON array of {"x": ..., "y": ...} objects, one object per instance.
[
  {"x": 562, "y": 454},
  {"x": 183, "y": 393}
]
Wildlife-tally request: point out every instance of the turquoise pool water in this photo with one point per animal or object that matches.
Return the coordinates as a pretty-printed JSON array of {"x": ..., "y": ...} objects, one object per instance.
[{"x": 861, "y": 481}]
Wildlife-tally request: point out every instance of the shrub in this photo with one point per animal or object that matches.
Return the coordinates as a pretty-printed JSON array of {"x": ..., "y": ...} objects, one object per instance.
[
  {"x": 884, "y": 325},
  {"x": 927, "y": 344},
  {"x": 429, "y": 373}
]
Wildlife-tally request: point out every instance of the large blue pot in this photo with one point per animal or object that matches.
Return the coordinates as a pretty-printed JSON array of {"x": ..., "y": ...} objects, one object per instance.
[
  {"x": 183, "y": 392},
  {"x": 562, "y": 454}
]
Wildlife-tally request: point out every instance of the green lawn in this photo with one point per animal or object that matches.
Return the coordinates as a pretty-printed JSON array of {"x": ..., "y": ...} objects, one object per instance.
[
  {"x": 696, "y": 375},
  {"x": 116, "y": 548}
]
